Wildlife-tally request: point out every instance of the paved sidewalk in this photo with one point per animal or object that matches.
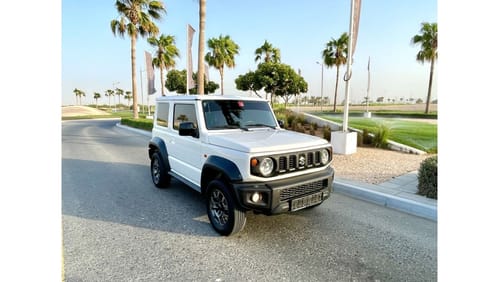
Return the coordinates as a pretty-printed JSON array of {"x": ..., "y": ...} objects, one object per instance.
[{"x": 399, "y": 193}]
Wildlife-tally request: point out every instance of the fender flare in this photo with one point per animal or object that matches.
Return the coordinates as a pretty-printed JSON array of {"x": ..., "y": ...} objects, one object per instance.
[
  {"x": 157, "y": 144},
  {"x": 228, "y": 169}
]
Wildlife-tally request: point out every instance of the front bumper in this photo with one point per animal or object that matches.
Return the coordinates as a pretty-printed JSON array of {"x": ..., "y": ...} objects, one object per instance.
[{"x": 286, "y": 195}]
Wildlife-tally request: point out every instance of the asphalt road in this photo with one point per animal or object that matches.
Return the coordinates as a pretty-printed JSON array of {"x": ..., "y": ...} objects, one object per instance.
[{"x": 118, "y": 227}]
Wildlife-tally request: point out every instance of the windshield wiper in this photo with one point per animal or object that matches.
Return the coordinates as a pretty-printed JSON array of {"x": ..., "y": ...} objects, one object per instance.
[
  {"x": 260, "y": 125},
  {"x": 229, "y": 127}
]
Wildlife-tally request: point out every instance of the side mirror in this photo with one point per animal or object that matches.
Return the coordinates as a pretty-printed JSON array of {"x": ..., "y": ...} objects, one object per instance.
[
  {"x": 281, "y": 123},
  {"x": 188, "y": 129}
]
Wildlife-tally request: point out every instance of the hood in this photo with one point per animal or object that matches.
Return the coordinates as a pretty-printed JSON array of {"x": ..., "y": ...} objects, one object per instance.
[{"x": 268, "y": 140}]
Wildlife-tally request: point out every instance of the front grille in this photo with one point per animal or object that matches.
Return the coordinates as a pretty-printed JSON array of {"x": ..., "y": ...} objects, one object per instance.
[
  {"x": 298, "y": 161},
  {"x": 303, "y": 189}
]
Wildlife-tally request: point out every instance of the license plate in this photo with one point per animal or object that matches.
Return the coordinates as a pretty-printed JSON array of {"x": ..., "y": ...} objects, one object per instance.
[{"x": 306, "y": 201}]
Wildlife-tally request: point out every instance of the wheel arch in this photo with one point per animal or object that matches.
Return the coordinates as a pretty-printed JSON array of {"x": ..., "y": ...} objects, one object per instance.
[
  {"x": 218, "y": 167},
  {"x": 157, "y": 144}
]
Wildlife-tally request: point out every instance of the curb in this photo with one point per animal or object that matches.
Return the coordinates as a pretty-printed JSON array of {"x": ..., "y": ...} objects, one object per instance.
[{"x": 404, "y": 205}]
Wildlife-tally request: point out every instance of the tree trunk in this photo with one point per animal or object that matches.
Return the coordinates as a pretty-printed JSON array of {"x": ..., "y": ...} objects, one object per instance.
[
  {"x": 134, "y": 82},
  {"x": 430, "y": 87},
  {"x": 201, "y": 49},
  {"x": 336, "y": 87},
  {"x": 162, "y": 82}
]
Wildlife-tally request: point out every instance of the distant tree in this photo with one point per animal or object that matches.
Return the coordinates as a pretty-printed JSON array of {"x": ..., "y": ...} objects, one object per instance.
[
  {"x": 97, "y": 96},
  {"x": 108, "y": 94},
  {"x": 248, "y": 82},
  {"x": 428, "y": 41},
  {"x": 165, "y": 55},
  {"x": 419, "y": 101},
  {"x": 118, "y": 93},
  {"x": 136, "y": 18},
  {"x": 274, "y": 78},
  {"x": 222, "y": 52},
  {"x": 201, "y": 47},
  {"x": 335, "y": 54},
  {"x": 128, "y": 97},
  {"x": 176, "y": 82},
  {"x": 380, "y": 99},
  {"x": 268, "y": 52},
  {"x": 78, "y": 93}
]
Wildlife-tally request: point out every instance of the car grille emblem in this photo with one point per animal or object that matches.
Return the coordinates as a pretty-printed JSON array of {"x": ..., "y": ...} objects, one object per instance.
[{"x": 302, "y": 161}]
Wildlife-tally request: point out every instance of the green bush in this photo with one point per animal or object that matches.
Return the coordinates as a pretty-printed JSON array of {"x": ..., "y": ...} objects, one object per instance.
[
  {"x": 427, "y": 178},
  {"x": 327, "y": 133},
  {"x": 381, "y": 136},
  {"x": 142, "y": 123}
]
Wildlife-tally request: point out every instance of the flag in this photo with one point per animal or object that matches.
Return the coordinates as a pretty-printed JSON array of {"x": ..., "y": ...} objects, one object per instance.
[
  {"x": 357, "y": 12},
  {"x": 190, "y": 81},
  {"x": 150, "y": 73}
]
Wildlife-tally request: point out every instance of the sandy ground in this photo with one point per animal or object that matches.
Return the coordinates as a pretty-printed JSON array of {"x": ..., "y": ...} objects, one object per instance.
[
  {"x": 369, "y": 165},
  {"x": 71, "y": 111}
]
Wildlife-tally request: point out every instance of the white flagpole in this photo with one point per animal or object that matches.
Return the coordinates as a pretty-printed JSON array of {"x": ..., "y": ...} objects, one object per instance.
[
  {"x": 347, "y": 76},
  {"x": 368, "y": 88}
]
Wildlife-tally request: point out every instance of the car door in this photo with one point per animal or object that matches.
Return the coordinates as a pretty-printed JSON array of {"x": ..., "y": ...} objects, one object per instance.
[{"x": 185, "y": 151}]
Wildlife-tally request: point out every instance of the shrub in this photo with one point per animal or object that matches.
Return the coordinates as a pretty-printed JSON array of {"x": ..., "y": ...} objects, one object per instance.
[
  {"x": 381, "y": 136},
  {"x": 146, "y": 124},
  {"x": 327, "y": 133},
  {"x": 367, "y": 139},
  {"x": 427, "y": 178}
]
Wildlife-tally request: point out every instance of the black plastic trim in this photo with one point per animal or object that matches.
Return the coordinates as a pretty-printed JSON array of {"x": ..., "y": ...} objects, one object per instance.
[
  {"x": 272, "y": 190},
  {"x": 157, "y": 144}
]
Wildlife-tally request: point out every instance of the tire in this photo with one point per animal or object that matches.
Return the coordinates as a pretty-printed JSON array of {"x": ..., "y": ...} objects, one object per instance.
[
  {"x": 226, "y": 217},
  {"x": 159, "y": 175}
]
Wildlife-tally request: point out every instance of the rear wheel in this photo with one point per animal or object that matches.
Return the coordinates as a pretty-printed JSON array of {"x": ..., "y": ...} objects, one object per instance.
[
  {"x": 160, "y": 176},
  {"x": 226, "y": 217}
]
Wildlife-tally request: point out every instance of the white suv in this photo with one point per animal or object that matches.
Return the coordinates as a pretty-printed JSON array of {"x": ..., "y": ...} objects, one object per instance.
[{"x": 234, "y": 151}]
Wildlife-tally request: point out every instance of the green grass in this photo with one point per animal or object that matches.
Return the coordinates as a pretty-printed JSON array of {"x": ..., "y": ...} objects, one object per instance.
[{"x": 420, "y": 135}]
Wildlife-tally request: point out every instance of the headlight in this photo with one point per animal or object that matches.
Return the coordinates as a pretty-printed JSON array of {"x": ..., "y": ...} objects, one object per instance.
[
  {"x": 324, "y": 156},
  {"x": 266, "y": 166}
]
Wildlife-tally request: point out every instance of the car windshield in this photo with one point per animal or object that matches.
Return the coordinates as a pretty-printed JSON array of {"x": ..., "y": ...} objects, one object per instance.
[{"x": 230, "y": 114}]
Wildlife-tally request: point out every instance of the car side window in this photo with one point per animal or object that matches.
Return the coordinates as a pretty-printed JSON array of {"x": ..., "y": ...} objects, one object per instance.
[
  {"x": 184, "y": 113},
  {"x": 162, "y": 114}
]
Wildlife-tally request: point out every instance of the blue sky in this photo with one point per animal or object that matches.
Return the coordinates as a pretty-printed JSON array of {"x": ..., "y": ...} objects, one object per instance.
[{"x": 93, "y": 58}]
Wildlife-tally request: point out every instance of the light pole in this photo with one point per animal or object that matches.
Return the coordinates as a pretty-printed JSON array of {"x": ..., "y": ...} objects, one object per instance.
[
  {"x": 321, "y": 101},
  {"x": 115, "y": 83}
]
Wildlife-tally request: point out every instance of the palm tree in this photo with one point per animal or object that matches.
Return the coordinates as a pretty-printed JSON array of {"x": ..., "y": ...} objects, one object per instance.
[
  {"x": 222, "y": 52},
  {"x": 335, "y": 54},
  {"x": 109, "y": 93},
  {"x": 78, "y": 94},
  {"x": 166, "y": 51},
  {"x": 270, "y": 53},
  {"x": 97, "y": 95},
  {"x": 128, "y": 97},
  {"x": 428, "y": 40},
  {"x": 118, "y": 93},
  {"x": 136, "y": 19},
  {"x": 201, "y": 48}
]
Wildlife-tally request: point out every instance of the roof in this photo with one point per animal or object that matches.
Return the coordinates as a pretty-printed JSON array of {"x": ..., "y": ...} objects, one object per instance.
[{"x": 207, "y": 97}]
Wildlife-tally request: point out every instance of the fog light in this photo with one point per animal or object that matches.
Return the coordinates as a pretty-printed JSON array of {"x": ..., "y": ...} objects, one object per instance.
[{"x": 256, "y": 197}]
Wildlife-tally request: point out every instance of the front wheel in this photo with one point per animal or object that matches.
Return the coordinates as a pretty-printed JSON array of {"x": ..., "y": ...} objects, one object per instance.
[{"x": 226, "y": 217}]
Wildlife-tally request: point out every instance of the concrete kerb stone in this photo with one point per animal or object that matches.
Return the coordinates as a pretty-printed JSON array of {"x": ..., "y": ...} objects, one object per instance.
[{"x": 387, "y": 200}]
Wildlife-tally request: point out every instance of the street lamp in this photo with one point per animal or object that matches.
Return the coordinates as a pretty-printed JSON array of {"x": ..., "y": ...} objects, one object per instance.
[
  {"x": 321, "y": 101},
  {"x": 115, "y": 83}
]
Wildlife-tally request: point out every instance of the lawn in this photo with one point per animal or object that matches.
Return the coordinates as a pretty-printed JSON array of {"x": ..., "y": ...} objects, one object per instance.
[{"x": 420, "y": 135}]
